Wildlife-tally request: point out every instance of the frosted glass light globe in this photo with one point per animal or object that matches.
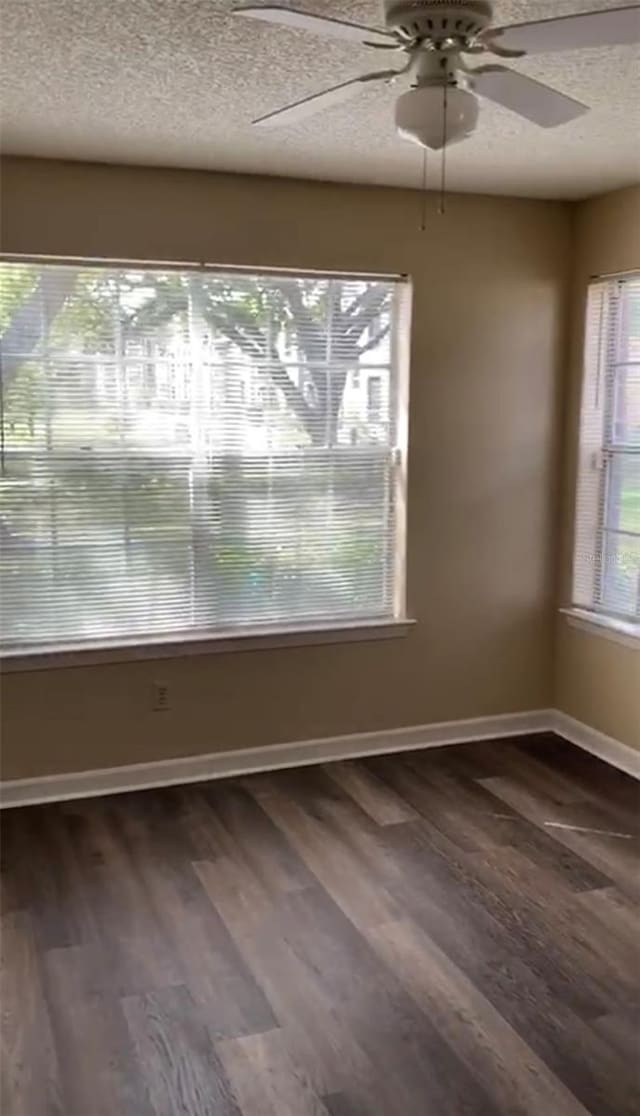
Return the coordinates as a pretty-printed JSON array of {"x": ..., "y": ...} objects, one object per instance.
[{"x": 420, "y": 115}]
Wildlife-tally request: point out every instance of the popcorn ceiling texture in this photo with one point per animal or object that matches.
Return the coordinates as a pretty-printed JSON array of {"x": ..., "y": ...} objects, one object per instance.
[{"x": 176, "y": 82}]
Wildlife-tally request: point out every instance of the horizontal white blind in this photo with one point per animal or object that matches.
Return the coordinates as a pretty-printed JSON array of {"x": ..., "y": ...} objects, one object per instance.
[
  {"x": 186, "y": 452},
  {"x": 607, "y": 547}
]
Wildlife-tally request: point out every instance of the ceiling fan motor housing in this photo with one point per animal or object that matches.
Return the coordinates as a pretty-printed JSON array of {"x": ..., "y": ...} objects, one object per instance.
[{"x": 438, "y": 20}]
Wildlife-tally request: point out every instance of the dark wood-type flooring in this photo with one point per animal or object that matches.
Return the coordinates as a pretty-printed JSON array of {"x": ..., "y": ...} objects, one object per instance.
[{"x": 399, "y": 936}]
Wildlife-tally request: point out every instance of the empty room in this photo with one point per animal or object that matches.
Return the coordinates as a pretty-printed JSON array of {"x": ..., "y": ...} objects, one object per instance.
[{"x": 320, "y": 558}]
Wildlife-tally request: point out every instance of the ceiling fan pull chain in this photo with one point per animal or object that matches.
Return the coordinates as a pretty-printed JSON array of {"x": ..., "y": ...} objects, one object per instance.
[
  {"x": 424, "y": 195},
  {"x": 443, "y": 180}
]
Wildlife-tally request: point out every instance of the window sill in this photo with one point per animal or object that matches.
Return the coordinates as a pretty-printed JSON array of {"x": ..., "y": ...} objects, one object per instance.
[
  {"x": 619, "y": 631},
  {"x": 94, "y": 654}
]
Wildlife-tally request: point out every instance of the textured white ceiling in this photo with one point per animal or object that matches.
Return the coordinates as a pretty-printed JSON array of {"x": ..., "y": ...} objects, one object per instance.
[{"x": 176, "y": 82}]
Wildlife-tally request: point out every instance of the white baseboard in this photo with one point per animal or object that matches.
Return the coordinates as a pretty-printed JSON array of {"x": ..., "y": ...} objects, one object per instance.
[
  {"x": 217, "y": 765},
  {"x": 598, "y": 743}
]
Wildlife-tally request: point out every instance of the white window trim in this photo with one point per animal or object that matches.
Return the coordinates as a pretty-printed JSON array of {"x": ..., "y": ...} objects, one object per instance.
[
  {"x": 179, "y": 646},
  {"x": 609, "y": 627}
]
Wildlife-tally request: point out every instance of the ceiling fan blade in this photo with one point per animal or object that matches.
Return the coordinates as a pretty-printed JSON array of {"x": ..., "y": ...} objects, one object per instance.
[
  {"x": 575, "y": 32},
  {"x": 316, "y": 102},
  {"x": 320, "y": 25},
  {"x": 537, "y": 102}
]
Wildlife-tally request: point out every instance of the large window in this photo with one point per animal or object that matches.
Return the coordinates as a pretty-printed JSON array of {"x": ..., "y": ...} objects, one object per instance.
[
  {"x": 191, "y": 452},
  {"x": 607, "y": 554}
]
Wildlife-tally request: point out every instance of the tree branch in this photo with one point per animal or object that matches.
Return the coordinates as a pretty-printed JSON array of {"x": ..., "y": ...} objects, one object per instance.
[
  {"x": 375, "y": 340},
  {"x": 369, "y": 297},
  {"x": 310, "y": 333},
  {"x": 370, "y": 305},
  {"x": 30, "y": 324},
  {"x": 251, "y": 340}
]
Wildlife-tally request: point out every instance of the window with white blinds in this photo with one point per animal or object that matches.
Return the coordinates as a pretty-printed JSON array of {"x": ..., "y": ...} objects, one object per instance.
[
  {"x": 607, "y": 545},
  {"x": 192, "y": 452}
]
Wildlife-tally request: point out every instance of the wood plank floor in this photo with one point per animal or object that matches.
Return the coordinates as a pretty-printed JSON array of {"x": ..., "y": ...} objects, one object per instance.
[{"x": 445, "y": 933}]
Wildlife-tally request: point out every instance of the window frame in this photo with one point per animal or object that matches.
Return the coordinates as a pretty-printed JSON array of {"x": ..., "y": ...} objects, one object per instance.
[
  {"x": 613, "y": 452},
  {"x": 261, "y": 636},
  {"x": 598, "y": 616}
]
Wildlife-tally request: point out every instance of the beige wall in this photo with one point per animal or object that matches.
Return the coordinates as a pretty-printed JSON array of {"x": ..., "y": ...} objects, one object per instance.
[
  {"x": 597, "y": 681},
  {"x": 490, "y": 281}
]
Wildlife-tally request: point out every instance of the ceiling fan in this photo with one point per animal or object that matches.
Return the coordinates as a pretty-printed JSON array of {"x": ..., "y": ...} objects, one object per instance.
[{"x": 441, "y": 107}]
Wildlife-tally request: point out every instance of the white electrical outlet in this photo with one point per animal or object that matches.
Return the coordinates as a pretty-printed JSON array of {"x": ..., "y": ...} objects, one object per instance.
[{"x": 160, "y": 702}]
